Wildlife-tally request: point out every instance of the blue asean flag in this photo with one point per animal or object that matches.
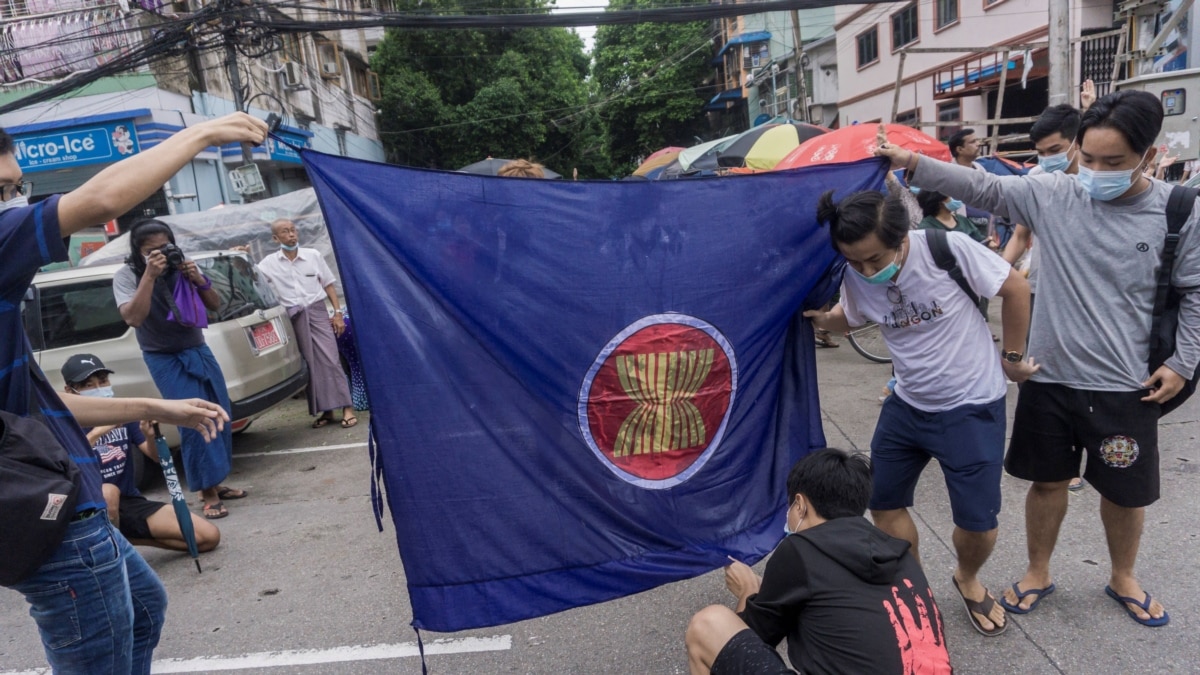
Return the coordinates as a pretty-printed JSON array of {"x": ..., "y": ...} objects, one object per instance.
[{"x": 580, "y": 390}]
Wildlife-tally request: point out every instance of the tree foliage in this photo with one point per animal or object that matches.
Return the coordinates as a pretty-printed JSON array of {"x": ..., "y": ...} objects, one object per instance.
[
  {"x": 653, "y": 82},
  {"x": 453, "y": 97}
]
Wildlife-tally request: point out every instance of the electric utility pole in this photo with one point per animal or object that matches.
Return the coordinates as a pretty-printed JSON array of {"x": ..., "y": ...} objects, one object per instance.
[{"x": 1059, "y": 53}]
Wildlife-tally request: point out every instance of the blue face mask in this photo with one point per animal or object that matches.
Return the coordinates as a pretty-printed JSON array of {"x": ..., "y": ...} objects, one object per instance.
[
  {"x": 884, "y": 275},
  {"x": 1059, "y": 162},
  {"x": 289, "y": 248},
  {"x": 954, "y": 205},
  {"x": 98, "y": 392},
  {"x": 14, "y": 203},
  {"x": 787, "y": 527},
  {"x": 1107, "y": 185}
]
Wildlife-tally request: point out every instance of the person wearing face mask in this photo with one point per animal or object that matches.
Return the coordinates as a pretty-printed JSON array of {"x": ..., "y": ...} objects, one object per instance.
[
  {"x": 82, "y": 597},
  {"x": 1101, "y": 236},
  {"x": 142, "y": 521},
  {"x": 153, "y": 295},
  {"x": 302, "y": 282},
  {"x": 848, "y": 597},
  {"x": 949, "y": 401}
]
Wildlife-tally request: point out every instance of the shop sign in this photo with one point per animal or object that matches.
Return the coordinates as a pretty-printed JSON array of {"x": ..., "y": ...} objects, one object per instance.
[{"x": 71, "y": 147}]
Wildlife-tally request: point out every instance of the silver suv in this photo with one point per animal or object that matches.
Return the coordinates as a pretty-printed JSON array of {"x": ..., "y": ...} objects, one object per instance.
[{"x": 72, "y": 311}]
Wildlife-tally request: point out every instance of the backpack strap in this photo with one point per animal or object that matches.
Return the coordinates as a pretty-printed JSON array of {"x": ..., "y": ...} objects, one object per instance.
[
  {"x": 1179, "y": 209},
  {"x": 944, "y": 258}
]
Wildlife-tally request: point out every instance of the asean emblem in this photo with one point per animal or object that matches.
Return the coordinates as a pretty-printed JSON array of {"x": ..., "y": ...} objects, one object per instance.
[{"x": 655, "y": 403}]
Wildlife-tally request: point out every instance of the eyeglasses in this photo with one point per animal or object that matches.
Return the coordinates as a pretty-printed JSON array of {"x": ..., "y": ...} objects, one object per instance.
[
  {"x": 895, "y": 295},
  {"x": 14, "y": 190}
]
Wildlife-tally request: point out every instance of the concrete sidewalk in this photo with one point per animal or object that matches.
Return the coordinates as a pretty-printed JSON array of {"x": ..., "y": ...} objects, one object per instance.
[{"x": 1078, "y": 629}]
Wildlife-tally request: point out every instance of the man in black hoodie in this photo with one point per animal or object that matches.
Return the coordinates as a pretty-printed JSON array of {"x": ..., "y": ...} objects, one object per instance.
[{"x": 849, "y": 598}]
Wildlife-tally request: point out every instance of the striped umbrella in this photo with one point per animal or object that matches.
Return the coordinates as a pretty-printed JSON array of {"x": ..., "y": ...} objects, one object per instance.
[
  {"x": 700, "y": 153},
  {"x": 763, "y": 146}
]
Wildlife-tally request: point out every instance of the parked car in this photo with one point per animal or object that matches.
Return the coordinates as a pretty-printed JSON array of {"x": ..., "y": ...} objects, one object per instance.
[{"x": 72, "y": 311}]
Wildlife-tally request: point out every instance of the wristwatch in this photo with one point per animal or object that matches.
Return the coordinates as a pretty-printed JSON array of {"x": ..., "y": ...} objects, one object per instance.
[{"x": 1013, "y": 357}]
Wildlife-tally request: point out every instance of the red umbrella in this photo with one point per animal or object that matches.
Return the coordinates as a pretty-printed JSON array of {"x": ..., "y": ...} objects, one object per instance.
[
  {"x": 671, "y": 148},
  {"x": 850, "y": 144}
]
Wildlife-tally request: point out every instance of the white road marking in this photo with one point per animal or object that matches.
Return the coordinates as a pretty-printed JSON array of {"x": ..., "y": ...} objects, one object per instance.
[
  {"x": 308, "y": 657},
  {"x": 293, "y": 451}
]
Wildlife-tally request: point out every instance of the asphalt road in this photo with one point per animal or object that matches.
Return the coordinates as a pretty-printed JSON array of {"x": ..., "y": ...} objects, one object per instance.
[{"x": 303, "y": 582}]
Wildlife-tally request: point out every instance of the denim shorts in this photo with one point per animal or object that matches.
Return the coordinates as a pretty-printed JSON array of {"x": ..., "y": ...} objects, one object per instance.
[
  {"x": 98, "y": 606},
  {"x": 968, "y": 442}
]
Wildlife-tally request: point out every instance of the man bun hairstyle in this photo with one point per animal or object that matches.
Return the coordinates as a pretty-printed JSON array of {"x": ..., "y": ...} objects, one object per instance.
[
  {"x": 861, "y": 214},
  {"x": 1062, "y": 119},
  {"x": 1136, "y": 115},
  {"x": 837, "y": 483}
]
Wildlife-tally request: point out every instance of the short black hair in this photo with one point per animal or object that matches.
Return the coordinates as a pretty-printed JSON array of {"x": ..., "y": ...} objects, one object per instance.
[
  {"x": 1136, "y": 115},
  {"x": 958, "y": 140},
  {"x": 837, "y": 483},
  {"x": 1061, "y": 119},
  {"x": 861, "y": 214},
  {"x": 930, "y": 201},
  {"x": 7, "y": 144}
]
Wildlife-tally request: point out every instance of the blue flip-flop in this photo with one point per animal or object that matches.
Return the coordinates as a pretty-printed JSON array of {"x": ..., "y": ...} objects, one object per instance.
[
  {"x": 1021, "y": 595},
  {"x": 1145, "y": 605}
]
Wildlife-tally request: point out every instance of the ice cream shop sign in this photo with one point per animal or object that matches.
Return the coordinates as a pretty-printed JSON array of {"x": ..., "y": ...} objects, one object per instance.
[{"x": 75, "y": 146}]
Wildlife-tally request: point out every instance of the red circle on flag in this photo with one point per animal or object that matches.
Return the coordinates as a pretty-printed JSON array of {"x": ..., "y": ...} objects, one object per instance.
[{"x": 659, "y": 399}]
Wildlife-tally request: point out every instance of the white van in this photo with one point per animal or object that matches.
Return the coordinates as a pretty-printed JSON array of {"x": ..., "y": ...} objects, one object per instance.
[{"x": 73, "y": 311}]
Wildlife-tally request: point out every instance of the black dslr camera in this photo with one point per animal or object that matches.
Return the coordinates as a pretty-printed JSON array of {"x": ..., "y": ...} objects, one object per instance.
[{"x": 174, "y": 255}]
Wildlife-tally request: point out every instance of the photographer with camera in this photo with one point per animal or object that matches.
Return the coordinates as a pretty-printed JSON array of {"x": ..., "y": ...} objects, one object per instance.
[{"x": 164, "y": 296}]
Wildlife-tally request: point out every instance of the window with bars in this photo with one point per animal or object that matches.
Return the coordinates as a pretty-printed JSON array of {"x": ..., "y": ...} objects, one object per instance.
[
  {"x": 868, "y": 47},
  {"x": 904, "y": 27},
  {"x": 911, "y": 118},
  {"x": 950, "y": 111}
]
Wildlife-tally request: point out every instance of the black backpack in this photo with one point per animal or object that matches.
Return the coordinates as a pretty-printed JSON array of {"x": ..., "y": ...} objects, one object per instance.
[
  {"x": 944, "y": 258},
  {"x": 39, "y": 488},
  {"x": 1167, "y": 297}
]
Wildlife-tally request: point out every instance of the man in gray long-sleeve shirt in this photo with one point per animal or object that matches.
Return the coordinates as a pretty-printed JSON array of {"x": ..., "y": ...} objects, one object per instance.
[{"x": 1102, "y": 236}]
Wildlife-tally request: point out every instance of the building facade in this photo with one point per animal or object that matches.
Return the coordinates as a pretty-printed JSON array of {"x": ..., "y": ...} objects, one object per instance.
[
  {"x": 950, "y": 87},
  {"x": 320, "y": 83}
]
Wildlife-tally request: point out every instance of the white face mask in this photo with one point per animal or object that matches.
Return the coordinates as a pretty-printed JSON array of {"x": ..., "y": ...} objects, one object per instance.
[
  {"x": 787, "y": 524},
  {"x": 98, "y": 392},
  {"x": 14, "y": 203}
]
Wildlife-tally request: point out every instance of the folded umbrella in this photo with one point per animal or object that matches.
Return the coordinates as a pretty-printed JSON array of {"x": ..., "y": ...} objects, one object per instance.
[{"x": 177, "y": 499}]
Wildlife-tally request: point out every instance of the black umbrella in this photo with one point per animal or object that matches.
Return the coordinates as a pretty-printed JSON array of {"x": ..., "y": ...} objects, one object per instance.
[{"x": 491, "y": 166}]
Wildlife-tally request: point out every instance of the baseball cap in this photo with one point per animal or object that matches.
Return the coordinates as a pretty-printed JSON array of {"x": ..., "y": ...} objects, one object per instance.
[{"x": 82, "y": 366}]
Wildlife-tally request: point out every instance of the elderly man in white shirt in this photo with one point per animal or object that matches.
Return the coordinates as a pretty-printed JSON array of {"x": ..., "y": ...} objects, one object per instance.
[{"x": 302, "y": 281}]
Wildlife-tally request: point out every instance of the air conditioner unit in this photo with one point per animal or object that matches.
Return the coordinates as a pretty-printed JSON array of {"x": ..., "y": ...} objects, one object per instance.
[
  {"x": 330, "y": 69},
  {"x": 293, "y": 75}
]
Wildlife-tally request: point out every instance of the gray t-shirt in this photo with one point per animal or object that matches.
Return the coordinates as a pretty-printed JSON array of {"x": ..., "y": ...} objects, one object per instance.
[
  {"x": 157, "y": 334},
  {"x": 1098, "y": 270}
]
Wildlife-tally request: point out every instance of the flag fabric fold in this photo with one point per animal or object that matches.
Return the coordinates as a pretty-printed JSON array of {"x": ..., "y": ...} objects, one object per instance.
[{"x": 580, "y": 390}]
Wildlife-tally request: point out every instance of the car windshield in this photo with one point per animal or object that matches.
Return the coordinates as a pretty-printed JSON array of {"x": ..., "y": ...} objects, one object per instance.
[
  {"x": 242, "y": 289},
  {"x": 85, "y": 311}
]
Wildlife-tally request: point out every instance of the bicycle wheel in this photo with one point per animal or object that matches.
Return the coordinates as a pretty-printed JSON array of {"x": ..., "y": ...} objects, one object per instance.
[{"x": 868, "y": 341}]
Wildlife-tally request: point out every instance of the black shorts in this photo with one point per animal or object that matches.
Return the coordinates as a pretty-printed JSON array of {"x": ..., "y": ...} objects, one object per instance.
[
  {"x": 1055, "y": 425},
  {"x": 747, "y": 654},
  {"x": 134, "y": 512}
]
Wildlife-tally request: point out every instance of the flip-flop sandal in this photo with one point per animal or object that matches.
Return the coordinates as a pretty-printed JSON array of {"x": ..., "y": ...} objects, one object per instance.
[
  {"x": 321, "y": 421},
  {"x": 1076, "y": 487},
  {"x": 1021, "y": 595},
  {"x": 231, "y": 493},
  {"x": 215, "y": 511},
  {"x": 349, "y": 422},
  {"x": 983, "y": 608},
  {"x": 1145, "y": 605}
]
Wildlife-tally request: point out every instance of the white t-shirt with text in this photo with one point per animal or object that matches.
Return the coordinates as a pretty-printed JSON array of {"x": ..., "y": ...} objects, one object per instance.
[{"x": 942, "y": 349}]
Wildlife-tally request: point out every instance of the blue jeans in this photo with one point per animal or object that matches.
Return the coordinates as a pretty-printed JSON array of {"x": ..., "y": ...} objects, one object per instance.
[{"x": 98, "y": 605}]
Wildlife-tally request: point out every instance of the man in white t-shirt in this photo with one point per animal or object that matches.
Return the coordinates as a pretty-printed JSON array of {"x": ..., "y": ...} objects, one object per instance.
[{"x": 950, "y": 380}]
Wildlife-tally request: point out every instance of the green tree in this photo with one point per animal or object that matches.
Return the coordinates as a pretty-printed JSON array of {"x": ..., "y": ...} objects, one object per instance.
[
  {"x": 453, "y": 97},
  {"x": 652, "y": 82}
]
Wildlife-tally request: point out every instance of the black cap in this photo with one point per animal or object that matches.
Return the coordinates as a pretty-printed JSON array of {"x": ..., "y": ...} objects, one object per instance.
[{"x": 80, "y": 367}]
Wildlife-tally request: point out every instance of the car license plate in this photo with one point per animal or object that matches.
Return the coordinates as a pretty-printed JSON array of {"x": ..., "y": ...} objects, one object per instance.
[{"x": 265, "y": 335}]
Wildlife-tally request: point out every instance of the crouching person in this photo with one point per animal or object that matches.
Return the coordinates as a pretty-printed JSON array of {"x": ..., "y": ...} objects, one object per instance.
[
  {"x": 848, "y": 598},
  {"x": 144, "y": 522}
]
